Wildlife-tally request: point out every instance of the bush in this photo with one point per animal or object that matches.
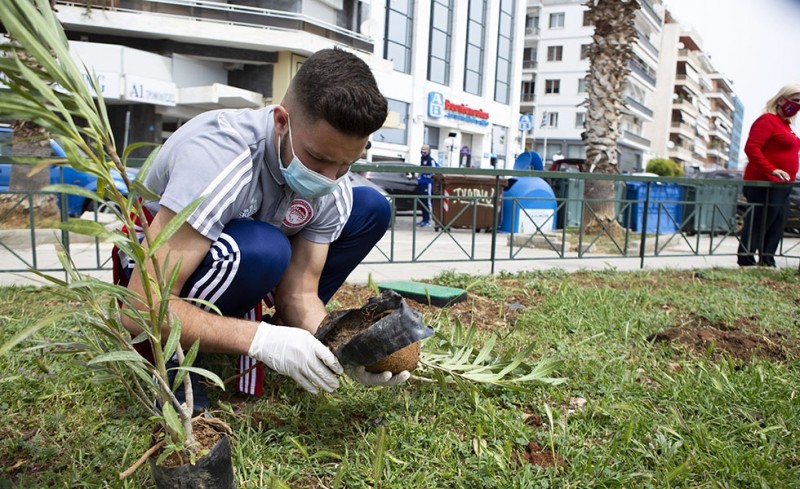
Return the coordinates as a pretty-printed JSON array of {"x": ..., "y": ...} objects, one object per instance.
[{"x": 664, "y": 167}]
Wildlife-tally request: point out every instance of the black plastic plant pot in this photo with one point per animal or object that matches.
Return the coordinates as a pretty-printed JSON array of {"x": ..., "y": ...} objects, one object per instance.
[
  {"x": 214, "y": 470},
  {"x": 384, "y": 325}
]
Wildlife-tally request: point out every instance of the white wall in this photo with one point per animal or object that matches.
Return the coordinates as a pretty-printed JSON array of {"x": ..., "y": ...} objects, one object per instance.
[{"x": 192, "y": 72}]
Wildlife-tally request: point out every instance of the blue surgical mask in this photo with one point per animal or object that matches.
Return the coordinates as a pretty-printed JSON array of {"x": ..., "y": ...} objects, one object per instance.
[{"x": 305, "y": 182}]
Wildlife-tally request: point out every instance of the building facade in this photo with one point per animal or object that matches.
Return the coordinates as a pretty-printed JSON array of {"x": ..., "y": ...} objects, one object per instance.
[
  {"x": 676, "y": 104},
  {"x": 448, "y": 67}
]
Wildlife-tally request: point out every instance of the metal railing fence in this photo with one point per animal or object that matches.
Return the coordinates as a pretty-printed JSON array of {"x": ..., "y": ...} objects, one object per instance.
[{"x": 487, "y": 224}]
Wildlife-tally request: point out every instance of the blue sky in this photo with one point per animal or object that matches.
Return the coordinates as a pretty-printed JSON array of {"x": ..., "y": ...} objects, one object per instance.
[{"x": 756, "y": 43}]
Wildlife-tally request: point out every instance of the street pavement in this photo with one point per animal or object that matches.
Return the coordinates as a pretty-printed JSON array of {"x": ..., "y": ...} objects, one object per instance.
[{"x": 420, "y": 253}]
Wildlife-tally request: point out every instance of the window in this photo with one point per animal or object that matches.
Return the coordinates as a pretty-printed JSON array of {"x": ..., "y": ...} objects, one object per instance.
[
  {"x": 441, "y": 33},
  {"x": 397, "y": 37},
  {"x": 505, "y": 51},
  {"x": 586, "y": 21},
  {"x": 430, "y": 136},
  {"x": 557, "y": 20},
  {"x": 555, "y": 53},
  {"x": 580, "y": 119},
  {"x": 529, "y": 54},
  {"x": 576, "y": 151},
  {"x": 528, "y": 91},
  {"x": 473, "y": 63},
  {"x": 552, "y": 119},
  {"x": 499, "y": 146},
  {"x": 582, "y": 85},
  {"x": 552, "y": 86},
  {"x": 395, "y": 129},
  {"x": 585, "y": 51}
]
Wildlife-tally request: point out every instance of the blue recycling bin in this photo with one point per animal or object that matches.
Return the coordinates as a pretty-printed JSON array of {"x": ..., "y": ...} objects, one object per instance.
[
  {"x": 664, "y": 211},
  {"x": 528, "y": 204},
  {"x": 529, "y": 160}
]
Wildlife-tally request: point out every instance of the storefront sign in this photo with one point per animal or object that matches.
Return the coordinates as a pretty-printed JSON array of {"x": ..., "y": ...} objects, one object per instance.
[
  {"x": 151, "y": 91},
  {"x": 435, "y": 105},
  {"x": 109, "y": 84},
  {"x": 438, "y": 106}
]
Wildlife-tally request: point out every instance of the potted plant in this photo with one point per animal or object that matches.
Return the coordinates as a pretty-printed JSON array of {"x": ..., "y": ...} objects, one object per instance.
[{"x": 47, "y": 88}]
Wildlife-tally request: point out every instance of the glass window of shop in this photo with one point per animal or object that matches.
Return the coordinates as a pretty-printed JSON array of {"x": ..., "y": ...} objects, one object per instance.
[{"x": 395, "y": 129}]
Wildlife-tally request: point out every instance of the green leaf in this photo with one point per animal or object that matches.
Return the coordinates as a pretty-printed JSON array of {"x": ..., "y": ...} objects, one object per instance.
[
  {"x": 32, "y": 330},
  {"x": 173, "y": 423},
  {"x": 117, "y": 356},
  {"x": 86, "y": 227},
  {"x": 172, "y": 226}
]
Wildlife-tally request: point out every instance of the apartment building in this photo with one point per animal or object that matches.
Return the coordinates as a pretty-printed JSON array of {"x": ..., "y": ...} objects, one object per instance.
[
  {"x": 448, "y": 67},
  {"x": 701, "y": 126},
  {"x": 676, "y": 104}
]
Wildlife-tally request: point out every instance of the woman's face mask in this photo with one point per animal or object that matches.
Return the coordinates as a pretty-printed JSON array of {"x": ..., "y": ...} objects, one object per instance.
[
  {"x": 790, "y": 107},
  {"x": 303, "y": 181}
]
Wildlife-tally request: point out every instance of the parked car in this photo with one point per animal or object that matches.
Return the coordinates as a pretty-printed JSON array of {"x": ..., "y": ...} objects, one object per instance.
[
  {"x": 357, "y": 180},
  {"x": 76, "y": 205},
  {"x": 569, "y": 165},
  {"x": 793, "y": 216},
  {"x": 396, "y": 184}
]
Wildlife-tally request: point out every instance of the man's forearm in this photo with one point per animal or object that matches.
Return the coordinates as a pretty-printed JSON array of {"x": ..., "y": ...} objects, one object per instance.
[
  {"x": 217, "y": 334},
  {"x": 301, "y": 311}
]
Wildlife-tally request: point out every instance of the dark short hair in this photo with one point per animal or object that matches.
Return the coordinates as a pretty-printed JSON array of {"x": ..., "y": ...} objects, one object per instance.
[{"x": 339, "y": 88}]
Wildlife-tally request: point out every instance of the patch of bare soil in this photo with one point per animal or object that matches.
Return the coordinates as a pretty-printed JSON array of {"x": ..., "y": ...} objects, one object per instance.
[
  {"x": 207, "y": 432},
  {"x": 702, "y": 337},
  {"x": 15, "y": 211},
  {"x": 542, "y": 456},
  {"x": 486, "y": 313}
]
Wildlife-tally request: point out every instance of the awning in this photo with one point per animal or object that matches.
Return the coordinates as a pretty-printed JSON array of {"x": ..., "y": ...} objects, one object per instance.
[{"x": 219, "y": 96}]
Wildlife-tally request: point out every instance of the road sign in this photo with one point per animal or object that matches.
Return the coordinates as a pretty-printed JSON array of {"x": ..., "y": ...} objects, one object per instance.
[{"x": 525, "y": 122}]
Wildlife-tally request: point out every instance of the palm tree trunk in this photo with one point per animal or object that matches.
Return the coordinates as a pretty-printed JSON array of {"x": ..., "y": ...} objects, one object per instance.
[
  {"x": 29, "y": 140},
  {"x": 614, "y": 31}
]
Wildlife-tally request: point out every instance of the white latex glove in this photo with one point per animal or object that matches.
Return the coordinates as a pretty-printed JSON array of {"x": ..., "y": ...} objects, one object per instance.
[
  {"x": 382, "y": 379},
  {"x": 296, "y": 353}
]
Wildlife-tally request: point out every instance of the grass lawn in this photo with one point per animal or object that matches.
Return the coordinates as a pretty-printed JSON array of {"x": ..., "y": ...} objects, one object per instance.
[{"x": 672, "y": 379}]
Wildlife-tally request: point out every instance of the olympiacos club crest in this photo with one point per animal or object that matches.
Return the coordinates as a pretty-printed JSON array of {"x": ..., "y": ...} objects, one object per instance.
[{"x": 298, "y": 215}]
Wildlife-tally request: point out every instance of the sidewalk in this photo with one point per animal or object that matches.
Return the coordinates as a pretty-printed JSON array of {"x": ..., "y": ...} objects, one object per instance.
[{"x": 434, "y": 252}]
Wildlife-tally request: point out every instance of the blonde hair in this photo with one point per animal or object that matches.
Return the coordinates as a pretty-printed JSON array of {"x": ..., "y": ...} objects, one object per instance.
[{"x": 784, "y": 93}]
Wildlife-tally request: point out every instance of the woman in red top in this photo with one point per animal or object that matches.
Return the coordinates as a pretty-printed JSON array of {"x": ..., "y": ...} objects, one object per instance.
[{"x": 772, "y": 151}]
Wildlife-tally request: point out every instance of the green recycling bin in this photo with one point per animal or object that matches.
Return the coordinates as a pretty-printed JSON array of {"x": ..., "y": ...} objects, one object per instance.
[
  {"x": 569, "y": 195},
  {"x": 710, "y": 208}
]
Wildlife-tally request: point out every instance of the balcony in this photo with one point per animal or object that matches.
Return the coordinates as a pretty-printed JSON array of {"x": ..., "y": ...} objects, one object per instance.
[
  {"x": 528, "y": 64},
  {"x": 720, "y": 136},
  {"x": 531, "y": 31},
  {"x": 644, "y": 72},
  {"x": 686, "y": 107},
  {"x": 691, "y": 57},
  {"x": 647, "y": 45},
  {"x": 692, "y": 84},
  {"x": 679, "y": 153},
  {"x": 649, "y": 13},
  {"x": 725, "y": 97},
  {"x": 639, "y": 107},
  {"x": 683, "y": 129},
  {"x": 230, "y": 14},
  {"x": 635, "y": 140}
]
